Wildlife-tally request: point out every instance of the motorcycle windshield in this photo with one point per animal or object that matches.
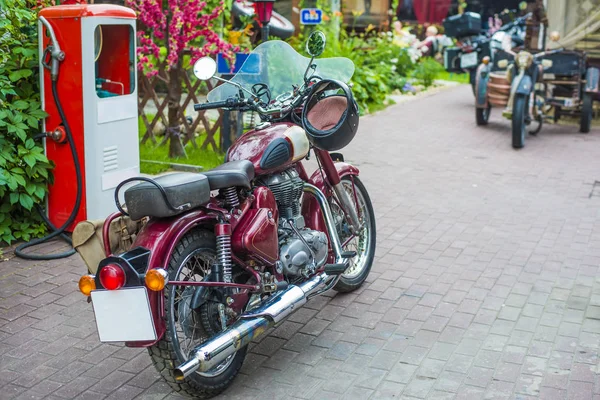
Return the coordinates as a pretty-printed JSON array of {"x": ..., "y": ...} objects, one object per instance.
[{"x": 278, "y": 65}]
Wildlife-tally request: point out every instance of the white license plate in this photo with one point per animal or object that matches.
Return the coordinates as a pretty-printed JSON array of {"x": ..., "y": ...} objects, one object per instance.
[
  {"x": 468, "y": 60},
  {"x": 123, "y": 315}
]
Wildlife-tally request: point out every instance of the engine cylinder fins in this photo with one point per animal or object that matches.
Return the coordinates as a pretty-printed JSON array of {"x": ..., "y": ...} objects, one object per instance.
[{"x": 287, "y": 187}]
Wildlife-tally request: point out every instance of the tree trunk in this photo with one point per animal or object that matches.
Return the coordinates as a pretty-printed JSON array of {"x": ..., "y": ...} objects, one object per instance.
[{"x": 176, "y": 149}]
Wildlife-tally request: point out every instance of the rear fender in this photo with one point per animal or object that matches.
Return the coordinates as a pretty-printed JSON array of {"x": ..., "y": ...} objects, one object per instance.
[
  {"x": 592, "y": 79},
  {"x": 310, "y": 207},
  {"x": 160, "y": 236},
  {"x": 482, "y": 77}
]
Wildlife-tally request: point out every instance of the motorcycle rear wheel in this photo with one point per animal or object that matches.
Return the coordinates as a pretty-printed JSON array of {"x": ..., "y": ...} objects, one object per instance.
[
  {"x": 364, "y": 244},
  {"x": 191, "y": 260}
]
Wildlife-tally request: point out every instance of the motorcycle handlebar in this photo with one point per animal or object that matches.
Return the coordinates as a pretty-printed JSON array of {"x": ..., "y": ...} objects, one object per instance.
[
  {"x": 270, "y": 109},
  {"x": 235, "y": 103},
  {"x": 229, "y": 103}
]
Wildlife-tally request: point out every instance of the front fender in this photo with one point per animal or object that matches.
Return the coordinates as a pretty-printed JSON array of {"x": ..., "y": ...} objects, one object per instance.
[
  {"x": 523, "y": 86},
  {"x": 160, "y": 236},
  {"x": 310, "y": 207},
  {"x": 592, "y": 79},
  {"x": 481, "y": 85},
  {"x": 343, "y": 169}
]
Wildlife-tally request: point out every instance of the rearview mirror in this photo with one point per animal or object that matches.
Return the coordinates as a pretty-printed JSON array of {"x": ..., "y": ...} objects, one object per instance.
[
  {"x": 315, "y": 45},
  {"x": 503, "y": 64},
  {"x": 205, "y": 68}
]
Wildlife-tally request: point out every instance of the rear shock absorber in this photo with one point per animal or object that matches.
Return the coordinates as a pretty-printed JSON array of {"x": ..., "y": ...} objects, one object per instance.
[
  {"x": 231, "y": 196},
  {"x": 223, "y": 234}
]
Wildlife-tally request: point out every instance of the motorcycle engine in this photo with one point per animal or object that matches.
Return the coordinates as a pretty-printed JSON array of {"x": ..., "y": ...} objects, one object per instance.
[{"x": 302, "y": 250}]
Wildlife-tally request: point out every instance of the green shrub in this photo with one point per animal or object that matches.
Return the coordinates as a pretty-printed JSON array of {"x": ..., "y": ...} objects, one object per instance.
[
  {"x": 24, "y": 169},
  {"x": 427, "y": 70},
  {"x": 404, "y": 65}
]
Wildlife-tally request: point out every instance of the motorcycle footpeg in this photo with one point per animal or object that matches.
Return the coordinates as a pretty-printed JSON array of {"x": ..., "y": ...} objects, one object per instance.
[
  {"x": 348, "y": 254},
  {"x": 336, "y": 269}
]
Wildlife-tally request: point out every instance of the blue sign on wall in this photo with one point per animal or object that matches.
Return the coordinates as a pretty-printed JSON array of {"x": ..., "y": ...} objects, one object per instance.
[
  {"x": 250, "y": 62},
  {"x": 311, "y": 16}
]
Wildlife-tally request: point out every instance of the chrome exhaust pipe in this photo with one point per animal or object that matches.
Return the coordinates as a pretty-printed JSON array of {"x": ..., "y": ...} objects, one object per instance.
[{"x": 250, "y": 326}]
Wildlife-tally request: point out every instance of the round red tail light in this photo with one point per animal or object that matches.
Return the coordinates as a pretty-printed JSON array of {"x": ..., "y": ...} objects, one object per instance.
[{"x": 112, "y": 277}]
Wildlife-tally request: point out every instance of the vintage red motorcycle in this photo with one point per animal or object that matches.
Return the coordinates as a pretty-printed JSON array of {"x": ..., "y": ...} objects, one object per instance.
[{"x": 231, "y": 252}]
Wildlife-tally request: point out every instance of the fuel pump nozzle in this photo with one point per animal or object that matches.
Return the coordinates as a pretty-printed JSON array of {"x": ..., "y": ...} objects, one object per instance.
[{"x": 53, "y": 51}]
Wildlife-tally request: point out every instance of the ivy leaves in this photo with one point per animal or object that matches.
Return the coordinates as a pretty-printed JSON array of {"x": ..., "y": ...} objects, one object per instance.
[{"x": 24, "y": 169}]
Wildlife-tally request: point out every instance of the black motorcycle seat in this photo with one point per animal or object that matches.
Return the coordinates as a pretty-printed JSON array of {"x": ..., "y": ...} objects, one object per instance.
[
  {"x": 232, "y": 173},
  {"x": 184, "y": 191}
]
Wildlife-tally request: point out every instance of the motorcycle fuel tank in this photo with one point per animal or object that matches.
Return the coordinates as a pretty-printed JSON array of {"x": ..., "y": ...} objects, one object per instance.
[{"x": 271, "y": 149}]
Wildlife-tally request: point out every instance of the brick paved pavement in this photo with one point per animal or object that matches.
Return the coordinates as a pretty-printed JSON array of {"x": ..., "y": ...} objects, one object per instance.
[{"x": 486, "y": 282}]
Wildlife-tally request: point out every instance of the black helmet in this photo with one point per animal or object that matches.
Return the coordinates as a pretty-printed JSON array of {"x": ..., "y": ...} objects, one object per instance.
[{"x": 330, "y": 116}]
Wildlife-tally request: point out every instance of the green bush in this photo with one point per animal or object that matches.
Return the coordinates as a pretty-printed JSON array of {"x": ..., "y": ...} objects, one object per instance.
[
  {"x": 427, "y": 71},
  {"x": 404, "y": 65},
  {"x": 24, "y": 169},
  {"x": 380, "y": 65}
]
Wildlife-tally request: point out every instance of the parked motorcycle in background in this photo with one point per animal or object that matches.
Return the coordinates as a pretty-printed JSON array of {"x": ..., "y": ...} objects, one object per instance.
[
  {"x": 206, "y": 273},
  {"x": 473, "y": 45},
  {"x": 537, "y": 86}
]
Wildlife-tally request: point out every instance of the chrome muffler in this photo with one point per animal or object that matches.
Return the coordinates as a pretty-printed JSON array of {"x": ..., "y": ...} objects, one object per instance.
[{"x": 250, "y": 326}]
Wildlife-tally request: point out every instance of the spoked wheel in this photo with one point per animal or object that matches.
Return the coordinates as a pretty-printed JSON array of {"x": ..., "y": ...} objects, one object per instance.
[
  {"x": 518, "y": 121},
  {"x": 363, "y": 243},
  {"x": 482, "y": 115},
  {"x": 586, "y": 113},
  {"x": 186, "y": 328}
]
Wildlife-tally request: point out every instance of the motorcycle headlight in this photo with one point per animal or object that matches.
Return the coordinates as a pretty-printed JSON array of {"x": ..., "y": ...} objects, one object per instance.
[{"x": 524, "y": 59}]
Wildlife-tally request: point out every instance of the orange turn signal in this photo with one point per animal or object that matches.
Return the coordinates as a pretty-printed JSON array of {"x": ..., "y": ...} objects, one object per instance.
[
  {"x": 87, "y": 283},
  {"x": 485, "y": 60},
  {"x": 156, "y": 279}
]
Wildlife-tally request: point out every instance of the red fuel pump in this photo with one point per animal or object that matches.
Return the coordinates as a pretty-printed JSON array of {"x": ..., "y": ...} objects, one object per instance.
[{"x": 88, "y": 88}]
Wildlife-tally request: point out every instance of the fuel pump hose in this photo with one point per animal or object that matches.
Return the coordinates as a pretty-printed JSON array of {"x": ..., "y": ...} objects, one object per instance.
[{"x": 57, "y": 231}]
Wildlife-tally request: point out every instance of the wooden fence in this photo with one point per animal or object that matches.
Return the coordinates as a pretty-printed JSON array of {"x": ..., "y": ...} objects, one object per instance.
[{"x": 149, "y": 91}]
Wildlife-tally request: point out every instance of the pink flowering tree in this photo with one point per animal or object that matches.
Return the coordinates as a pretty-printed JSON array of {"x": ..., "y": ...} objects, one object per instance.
[{"x": 177, "y": 26}]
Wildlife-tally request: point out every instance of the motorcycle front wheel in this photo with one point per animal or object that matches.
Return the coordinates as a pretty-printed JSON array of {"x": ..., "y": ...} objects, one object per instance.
[
  {"x": 185, "y": 327},
  {"x": 363, "y": 243},
  {"x": 518, "y": 121}
]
